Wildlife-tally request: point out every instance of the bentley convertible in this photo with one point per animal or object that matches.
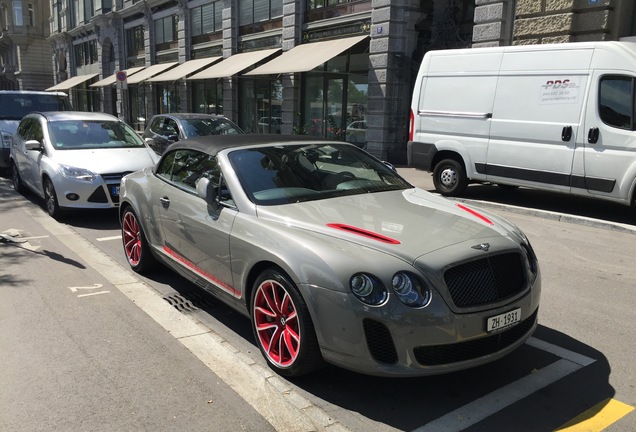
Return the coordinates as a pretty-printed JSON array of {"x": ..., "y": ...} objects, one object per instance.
[{"x": 333, "y": 256}]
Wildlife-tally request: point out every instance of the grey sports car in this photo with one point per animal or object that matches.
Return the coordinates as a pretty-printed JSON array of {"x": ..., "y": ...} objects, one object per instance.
[{"x": 333, "y": 256}]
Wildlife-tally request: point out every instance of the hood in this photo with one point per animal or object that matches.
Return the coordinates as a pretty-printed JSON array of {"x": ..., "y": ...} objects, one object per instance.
[
  {"x": 9, "y": 126},
  {"x": 407, "y": 224},
  {"x": 106, "y": 161}
]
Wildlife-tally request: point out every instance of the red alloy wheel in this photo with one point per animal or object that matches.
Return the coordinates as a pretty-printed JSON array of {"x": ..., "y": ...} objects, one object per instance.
[
  {"x": 132, "y": 238},
  {"x": 276, "y": 322}
]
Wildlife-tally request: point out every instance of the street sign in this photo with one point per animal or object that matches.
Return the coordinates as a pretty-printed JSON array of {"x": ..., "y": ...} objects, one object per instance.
[{"x": 122, "y": 77}]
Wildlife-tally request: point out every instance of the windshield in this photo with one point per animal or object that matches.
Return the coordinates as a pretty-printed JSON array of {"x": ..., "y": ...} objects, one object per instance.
[
  {"x": 82, "y": 134},
  {"x": 14, "y": 106},
  {"x": 209, "y": 126},
  {"x": 293, "y": 173}
]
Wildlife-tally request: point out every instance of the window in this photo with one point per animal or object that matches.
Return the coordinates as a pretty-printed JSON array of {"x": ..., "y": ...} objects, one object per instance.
[
  {"x": 207, "y": 18},
  {"x": 86, "y": 53},
  {"x": 253, "y": 11},
  {"x": 184, "y": 168},
  {"x": 135, "y": 39},
  {"x": 89, "y": 10},
  {"x": 616, "y": 101},
  {"x": 17, "y": 13},
  {"x": 31, "y": 15},
  {"x": 166, "y": 29}
]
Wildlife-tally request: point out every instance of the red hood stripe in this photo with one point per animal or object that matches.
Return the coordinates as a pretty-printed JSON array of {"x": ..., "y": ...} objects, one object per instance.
[
  {"x": 475, "y": 213},
  {"x": 363, "y": 233}
]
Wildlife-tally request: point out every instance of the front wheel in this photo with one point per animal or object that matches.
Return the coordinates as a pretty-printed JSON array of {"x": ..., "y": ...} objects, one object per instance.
[
  {"x": 17, "y": 181},
  {"x": 282, "y": 326},
  {"x": 50, "y": 200},
  {"x": 136, "y": 246},
  {"x": 449, "y": 177}
]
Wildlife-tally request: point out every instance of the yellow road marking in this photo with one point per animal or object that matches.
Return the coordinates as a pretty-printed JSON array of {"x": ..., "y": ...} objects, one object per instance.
[{"x": 598, "y": 417}]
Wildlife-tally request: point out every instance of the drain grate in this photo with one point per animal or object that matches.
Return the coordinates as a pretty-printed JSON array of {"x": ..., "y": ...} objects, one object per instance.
[{"x": 180, "y": 303}]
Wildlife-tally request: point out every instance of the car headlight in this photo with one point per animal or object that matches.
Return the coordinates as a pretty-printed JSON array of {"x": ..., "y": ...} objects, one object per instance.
[
  {"x": 368, "y": 289},
  {"x": 77, "y": 173},
  {"x": 410, "y": 289},
  {"x": 533, "y": 262},
  {"x": 5, "y": 139}
]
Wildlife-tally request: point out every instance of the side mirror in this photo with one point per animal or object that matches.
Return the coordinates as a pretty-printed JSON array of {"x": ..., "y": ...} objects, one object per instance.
[
  {"x": 150, "y": 142},
  {"x": 173, "y": 138},
  {"x": 389, "y": 165},
  {"x": 33, "y": 145},
  {"x": 207, "y": 191}
]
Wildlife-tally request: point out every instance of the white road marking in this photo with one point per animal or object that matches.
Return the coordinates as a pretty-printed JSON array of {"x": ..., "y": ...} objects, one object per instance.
[
  {"x": 92, "y": 294},
  {"x": 117, "y": 237},
  {"x": 493, "y": 402}
]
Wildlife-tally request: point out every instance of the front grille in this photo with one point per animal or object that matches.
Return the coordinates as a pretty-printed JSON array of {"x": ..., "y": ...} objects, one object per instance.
[
  {"x": 379, "y": 341},
  {"x": 486, "y": 280},
  {"x": 462, "y": 351},
  {"x": 98, "y": 196},
  {"x": 113, "y": 180}
]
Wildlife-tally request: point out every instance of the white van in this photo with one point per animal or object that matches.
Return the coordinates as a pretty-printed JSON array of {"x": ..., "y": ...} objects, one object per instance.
[{"x": 558, "y": 117}]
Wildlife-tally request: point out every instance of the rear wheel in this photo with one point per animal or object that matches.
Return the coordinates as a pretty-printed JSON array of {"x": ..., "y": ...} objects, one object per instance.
[
  {"x": 136, "y": 246},
  {"x": 50, "y": 200},
  {"x": 449, "y": 177},
  {"x": 282, "y": 326}
]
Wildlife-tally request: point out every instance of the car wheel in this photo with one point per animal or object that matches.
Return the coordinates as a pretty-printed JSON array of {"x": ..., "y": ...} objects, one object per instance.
[
  {"x": 50, "y": 200},
  {"x": 449, "y": 177},
  {"x": 17, "y": 181},
  {"x": 282, "y": 326},
  {"x": 136, "y": 246}
]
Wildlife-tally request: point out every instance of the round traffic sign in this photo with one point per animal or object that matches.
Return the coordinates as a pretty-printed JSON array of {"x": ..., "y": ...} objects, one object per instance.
[{"x": 121, "y": 76}]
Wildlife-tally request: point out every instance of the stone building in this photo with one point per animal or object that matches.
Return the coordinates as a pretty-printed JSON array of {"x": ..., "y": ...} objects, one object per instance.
[
  {"x": 24, "y": 50},
  {"x": 293, "y": 66}
]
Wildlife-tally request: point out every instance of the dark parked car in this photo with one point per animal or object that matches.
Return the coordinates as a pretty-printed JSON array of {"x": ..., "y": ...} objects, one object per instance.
[
  {"x": 333, "y": 255},
  {"x": 164, "y": 129}
]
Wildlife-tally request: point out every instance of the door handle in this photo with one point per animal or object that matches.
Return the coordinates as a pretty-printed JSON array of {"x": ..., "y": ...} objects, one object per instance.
[
  {"x": 165, "y": 202},
  {"x": 566, "y": 133},
  {"x": 592, "y": 135}
]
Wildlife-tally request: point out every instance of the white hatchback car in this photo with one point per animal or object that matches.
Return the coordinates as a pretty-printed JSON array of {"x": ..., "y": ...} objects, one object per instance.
[{"x": 75, "y": 159}]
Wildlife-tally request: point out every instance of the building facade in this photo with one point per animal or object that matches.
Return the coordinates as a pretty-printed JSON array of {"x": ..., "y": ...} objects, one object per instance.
[
  {"x": 330, "y": 68},
  {"x": 24, "y": 49}
]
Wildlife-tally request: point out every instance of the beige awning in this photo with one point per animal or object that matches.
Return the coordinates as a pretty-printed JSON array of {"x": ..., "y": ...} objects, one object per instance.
[
  {"x": 234, "y": 64},
  {"x": 150, "y": 72},
  {"x": 71, "y": 82},
  {"x": 306, "y": 57},
  {"x": 184, "y": 69},
  {"x": 111, "y": 79}
]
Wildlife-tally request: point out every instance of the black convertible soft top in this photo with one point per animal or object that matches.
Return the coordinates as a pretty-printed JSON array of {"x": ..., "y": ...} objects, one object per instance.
[{"x": 212, "y": 144}]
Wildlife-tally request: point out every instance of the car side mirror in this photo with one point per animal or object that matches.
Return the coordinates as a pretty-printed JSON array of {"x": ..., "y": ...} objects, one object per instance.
[
  {"x": 173, "y": 137},
  {"x": 389, "y": 165},
  {"x": 207, "y": 191},
  {"x": 33, "y": 145}
]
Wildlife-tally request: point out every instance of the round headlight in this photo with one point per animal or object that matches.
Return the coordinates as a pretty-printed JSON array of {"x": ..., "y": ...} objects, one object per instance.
[
  {"x": 368, "y": 289},
  {"x": 410, "y": 290}
]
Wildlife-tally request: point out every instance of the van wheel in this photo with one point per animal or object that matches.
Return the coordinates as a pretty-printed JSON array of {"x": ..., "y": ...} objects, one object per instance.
[{"x": 449, "y": 177}]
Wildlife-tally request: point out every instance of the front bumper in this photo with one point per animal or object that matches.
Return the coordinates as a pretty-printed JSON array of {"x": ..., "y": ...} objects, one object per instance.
[
  {"x": 395, "y": 340},
  {"x": 101, "y": 193}
]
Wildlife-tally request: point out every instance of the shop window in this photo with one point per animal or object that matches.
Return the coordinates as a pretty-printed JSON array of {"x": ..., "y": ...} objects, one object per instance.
[
  {"x": 168, "y": 101},
  {"x": 207, "y": 97},
  {"x": 261, "y": 102}
]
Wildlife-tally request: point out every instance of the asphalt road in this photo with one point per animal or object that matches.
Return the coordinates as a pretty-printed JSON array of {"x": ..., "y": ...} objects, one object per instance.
[{"x": 157, "y": 354}]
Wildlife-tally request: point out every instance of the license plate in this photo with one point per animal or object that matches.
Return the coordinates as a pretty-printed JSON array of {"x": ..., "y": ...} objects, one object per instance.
[
  {"x": 114, "y": 190},
  {"x": 504, "y": 320}
]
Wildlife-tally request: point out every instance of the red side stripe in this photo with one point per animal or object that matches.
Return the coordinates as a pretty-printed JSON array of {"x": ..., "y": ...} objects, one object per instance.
[{"x": 363, "y": 233}]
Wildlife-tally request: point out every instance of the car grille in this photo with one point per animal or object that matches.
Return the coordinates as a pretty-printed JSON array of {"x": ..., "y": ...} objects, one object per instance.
[
  {"x": 452, "y": 353},
  {"x": 486, "y": 280},
  {"x": 379, "y": 341},
  {"x": 111, "y": 180},
  {"x": 98, "y": 196}
]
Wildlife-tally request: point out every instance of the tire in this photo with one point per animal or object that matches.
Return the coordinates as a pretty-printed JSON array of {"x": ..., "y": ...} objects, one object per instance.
[
  {"x": 279, "y": 314},
  {"x": 17, "y": 181},
  {"x": 50, "y": 200},
  {"x": 449, "y": 177},
  {"x": 136, "y": 247}
]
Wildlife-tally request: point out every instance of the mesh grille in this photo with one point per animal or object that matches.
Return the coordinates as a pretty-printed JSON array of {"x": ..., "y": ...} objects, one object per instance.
[
  {"x": 486, "y": 280},
  {"x": 379, "y": 341},
  {"x": 452, "y": 353}
]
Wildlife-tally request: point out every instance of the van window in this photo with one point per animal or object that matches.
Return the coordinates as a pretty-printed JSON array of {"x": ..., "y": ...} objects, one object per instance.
[
  {"x": 616, "y": 101},
  {"x": 14, "y": 106}
]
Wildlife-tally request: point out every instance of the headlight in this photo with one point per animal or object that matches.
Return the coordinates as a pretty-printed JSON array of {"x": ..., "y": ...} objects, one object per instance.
[
  {"x": 368, "y": 289},
  {"x": 533, "y": 262},
  {"x": 77, "y": 173},
  {"x": 5, "y": 139},
  {"x": 410, "y": 290}
]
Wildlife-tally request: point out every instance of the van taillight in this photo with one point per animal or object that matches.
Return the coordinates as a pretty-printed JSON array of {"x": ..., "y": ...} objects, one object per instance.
[{"x": 411, "y": 125}]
